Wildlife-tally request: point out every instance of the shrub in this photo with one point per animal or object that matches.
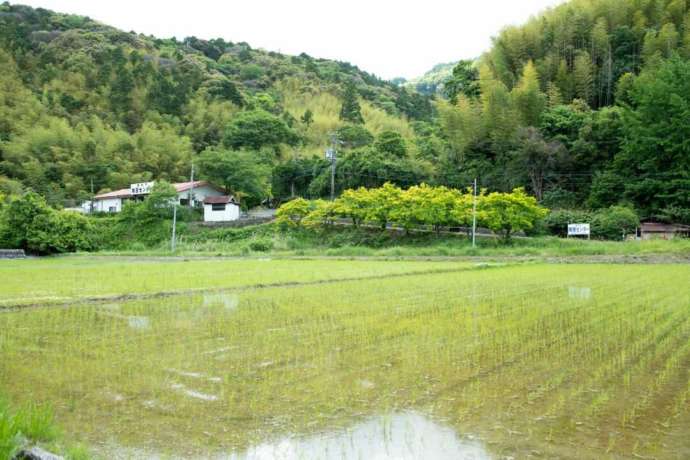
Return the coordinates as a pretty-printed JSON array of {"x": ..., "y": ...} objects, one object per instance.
[
  {"x": 28, "y": 223},
  {"x": 614, "y": 223},
  {"x": 261, "y": 245},
  {"x": 58, "y": 232}
]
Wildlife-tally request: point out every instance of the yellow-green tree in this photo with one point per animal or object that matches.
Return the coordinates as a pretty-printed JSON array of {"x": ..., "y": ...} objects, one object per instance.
[
  {"x": 354, "y": 204},
  {"x": 507, "y": 213},
  {"x": 292, "y": 213},
  {"x": 384, "y": 202},
  {"x": 527, "y": 96}
]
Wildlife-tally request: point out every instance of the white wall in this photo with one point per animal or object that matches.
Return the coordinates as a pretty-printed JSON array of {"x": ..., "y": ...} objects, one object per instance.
[
  {"x": 232, "y": 212},
  {"x": 200, "y": 193},
  {"x": 105, "y": 205}
]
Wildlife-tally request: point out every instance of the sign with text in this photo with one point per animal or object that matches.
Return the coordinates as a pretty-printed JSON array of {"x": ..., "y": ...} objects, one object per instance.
[
  {"x": 578, "y": 229},
  {"x": 141, "y": 188}
]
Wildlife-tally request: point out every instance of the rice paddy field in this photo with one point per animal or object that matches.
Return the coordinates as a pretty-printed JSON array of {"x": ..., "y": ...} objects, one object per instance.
[{"x": 292, "y": 359}]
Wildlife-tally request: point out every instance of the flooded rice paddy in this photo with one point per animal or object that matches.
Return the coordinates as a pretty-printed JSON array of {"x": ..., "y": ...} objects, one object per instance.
[{"x": 529, "y": 361}]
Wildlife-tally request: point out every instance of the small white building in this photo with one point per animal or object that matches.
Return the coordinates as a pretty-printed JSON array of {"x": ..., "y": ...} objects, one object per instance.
[
  {"x": 221, "y": 209},
  {"x": 113, "y": 202}
]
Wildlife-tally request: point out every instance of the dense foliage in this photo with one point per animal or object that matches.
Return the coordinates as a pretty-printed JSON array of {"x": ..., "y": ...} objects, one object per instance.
[
  {"x": 418, "y": 206},
  {"x": 86, "y": 108},
  {"x": 584, "y": 106}
]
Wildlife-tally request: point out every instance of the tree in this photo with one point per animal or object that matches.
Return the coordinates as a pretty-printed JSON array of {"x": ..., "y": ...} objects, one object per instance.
[
  {"x": 655, "y": 155},
  {"x": 292, "y": 213},
  {"x": 307, "y": 118},
  {"x": 350, "y": 110},
  {"x": 256, "y": 129},
  {"x": 240, "y": 172},
  {"x": 507, "y": 213},
  {"x": 354, "y": 204},
  {"x": 385, "y": 201},
  {"x": 537, "y": 158},
  {"x": 292, "y": 178},
  {"x": 528, "y": 98},
  {"x": 391, "y": 143},
  {"x": 583, "y": 75},
  {"x": 465, "y": 80},
  {"x": 18, "y": 218},
  {"x": 27, "y": 222},
  {"x": 224, "y": 89},
  {"x": 354, "y": 136}
]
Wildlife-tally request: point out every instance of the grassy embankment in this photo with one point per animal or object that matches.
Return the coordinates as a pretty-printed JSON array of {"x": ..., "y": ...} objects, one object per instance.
[{"x": 350, "y": 242}]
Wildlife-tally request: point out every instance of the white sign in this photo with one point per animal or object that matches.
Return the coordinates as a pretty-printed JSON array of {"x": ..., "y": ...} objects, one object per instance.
[
  {"x": 142, "y": 188},
  {"x": 578, "y": 229},
  {"x": 330, "y": 154}
]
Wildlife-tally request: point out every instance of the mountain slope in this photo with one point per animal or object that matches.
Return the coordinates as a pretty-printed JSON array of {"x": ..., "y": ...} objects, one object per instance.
[{"x": 86, "y": 106}]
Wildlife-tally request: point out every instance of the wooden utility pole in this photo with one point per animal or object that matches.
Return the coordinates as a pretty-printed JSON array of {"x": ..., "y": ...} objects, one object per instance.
[
  {"x": 191, "y": 189},
  {"x": 172, "y": 239}
]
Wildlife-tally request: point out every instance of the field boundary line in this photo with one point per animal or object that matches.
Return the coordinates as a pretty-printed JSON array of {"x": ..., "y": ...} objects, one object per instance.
[{"x": 6, "y": 307}]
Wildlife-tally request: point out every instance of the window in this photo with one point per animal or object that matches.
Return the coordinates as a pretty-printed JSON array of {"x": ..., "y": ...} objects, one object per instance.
[
  {"x": 218, "y": 207},
  {"x": 184, "y": 201},
  {"x": 112, "y": 209}
]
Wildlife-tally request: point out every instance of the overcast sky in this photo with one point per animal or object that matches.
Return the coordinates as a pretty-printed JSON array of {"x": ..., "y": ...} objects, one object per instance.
[{"x": 389, "y": 38}]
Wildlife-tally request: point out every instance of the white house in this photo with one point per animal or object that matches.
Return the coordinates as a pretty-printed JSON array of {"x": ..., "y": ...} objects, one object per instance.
[
  {"x": 197, "y": 191},
  {"x": 221, "y": 209}
]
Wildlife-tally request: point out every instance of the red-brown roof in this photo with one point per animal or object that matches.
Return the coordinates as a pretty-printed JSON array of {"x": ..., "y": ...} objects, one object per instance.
[
  {"x": 184, "y": 186},
  {"x": 122, "y": 193},
  {"x": 663, "y": 228},
  {"x": 219, "y": 199}
]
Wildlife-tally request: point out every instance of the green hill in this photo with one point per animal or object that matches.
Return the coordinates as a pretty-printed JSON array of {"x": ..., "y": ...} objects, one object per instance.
[
  {"x": 432, "y": 81},
  {"x": 585, "y": 106},
  {"x": 84, "y": 105}
]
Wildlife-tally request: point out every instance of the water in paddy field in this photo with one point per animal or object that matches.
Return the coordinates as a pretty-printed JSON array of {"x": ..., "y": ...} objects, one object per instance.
[
  {"x": 405, "y": 435},
  {"x": 568, "y": 362},
  {"x": 399, "y": 436}
]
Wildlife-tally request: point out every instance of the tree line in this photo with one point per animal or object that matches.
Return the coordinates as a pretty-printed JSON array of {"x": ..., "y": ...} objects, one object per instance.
[{"x": 418, "y": 206}]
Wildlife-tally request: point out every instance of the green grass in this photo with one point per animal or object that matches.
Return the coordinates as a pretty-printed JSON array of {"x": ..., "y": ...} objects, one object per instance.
[
  {"x": 350, "y": 242},
  {"x": 27, "y": 425},
  {"x": 62, "y": 279},
  {"x": 571, "y": 361}
]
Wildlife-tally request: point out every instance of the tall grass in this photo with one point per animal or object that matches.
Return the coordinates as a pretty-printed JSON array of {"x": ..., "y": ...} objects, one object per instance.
[{"x": 29, "y": 424}]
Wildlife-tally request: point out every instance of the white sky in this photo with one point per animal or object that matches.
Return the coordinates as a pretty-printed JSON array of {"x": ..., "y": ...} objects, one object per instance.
[{"x": 389, "y": 38}]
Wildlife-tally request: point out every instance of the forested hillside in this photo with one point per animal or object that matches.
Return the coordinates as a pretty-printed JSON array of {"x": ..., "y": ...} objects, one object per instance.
[
  {"x": 586, "y": 106},
  {"x": 84, "y": 106},
  {"x": 432, "y": 82}
]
